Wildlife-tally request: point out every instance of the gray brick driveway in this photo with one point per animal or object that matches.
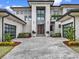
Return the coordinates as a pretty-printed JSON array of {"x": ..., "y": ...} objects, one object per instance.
[{"x": 41, "y": 48}]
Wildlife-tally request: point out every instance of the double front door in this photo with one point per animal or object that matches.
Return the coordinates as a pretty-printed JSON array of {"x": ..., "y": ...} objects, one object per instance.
[{"x": 40, "y": 29}]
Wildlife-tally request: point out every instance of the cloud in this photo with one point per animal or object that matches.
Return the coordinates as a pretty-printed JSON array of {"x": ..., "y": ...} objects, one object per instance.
[
  {"x": 58, "y": 2},
  {"x": 8, "y": 8},
  {"x": 16, "y": 6}
]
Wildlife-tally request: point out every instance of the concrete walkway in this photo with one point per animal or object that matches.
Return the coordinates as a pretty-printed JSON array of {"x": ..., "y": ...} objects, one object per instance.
[{"x": 41, "y": 48}]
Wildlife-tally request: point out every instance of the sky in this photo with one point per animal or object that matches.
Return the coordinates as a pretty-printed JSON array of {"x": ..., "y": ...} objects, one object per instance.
[{"x": 20, "y": 3}]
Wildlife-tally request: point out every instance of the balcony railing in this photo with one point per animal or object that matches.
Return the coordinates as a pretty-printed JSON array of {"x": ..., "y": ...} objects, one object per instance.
[{"x": 55, "y": 17}]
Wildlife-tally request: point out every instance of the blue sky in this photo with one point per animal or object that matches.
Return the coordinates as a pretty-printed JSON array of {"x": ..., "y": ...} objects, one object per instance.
[
  {"x": 5, "y": 3},
  {"x": 18, "y": 3}
]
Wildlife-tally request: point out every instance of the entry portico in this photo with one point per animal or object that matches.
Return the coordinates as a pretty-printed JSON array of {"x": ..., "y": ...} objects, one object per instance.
[{"x": 41, "y": 17}]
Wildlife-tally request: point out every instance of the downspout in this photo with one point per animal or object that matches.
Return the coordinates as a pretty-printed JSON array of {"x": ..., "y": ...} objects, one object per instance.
[
  {"x": 74, "y": 23},
  {"x": 3, "y": 27}
]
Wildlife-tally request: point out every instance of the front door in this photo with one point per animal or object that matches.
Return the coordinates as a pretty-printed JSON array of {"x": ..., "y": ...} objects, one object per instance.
[{"x": 40, "y": 29}]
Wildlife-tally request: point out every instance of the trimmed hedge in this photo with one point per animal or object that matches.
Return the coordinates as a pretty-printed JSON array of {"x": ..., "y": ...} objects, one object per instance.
[
  {"x": 7, "y": 43},
  {"x": 56, "y": 35},
  {"x": 24, "y": 35}
]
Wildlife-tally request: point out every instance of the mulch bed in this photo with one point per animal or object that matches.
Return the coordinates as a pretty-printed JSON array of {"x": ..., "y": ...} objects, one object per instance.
[
  {"x": 16, "y": 43},
  {"x": 73, "y": 44}
]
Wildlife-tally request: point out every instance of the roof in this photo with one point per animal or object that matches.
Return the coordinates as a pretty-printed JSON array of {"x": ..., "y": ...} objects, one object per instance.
[
  {"x": 6, "y": 11},
  {"x": 71, "y": 11},
  {"x": 41, "y": 0},
  {"x": 20, "y": 7},
  {"x": 69, "y": 4}
]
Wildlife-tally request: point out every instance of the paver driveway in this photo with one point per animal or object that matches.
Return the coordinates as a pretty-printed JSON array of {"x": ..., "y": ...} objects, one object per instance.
[{"x": 41, "y": 48}]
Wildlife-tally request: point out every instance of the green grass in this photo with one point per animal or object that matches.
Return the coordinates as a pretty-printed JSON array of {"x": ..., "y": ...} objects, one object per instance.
[
  {"x": 75, "y": 48},
  {"x": 4, "y": 50}
]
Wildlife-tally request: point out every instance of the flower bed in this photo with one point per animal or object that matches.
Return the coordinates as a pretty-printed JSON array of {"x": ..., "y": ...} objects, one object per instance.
[{"x": 6, "y": 47}]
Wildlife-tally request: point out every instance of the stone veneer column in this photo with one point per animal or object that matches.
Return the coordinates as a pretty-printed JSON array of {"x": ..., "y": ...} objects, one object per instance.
[
  {"x": 47, "y": 20},
  {"x": 34, "y": 19}
]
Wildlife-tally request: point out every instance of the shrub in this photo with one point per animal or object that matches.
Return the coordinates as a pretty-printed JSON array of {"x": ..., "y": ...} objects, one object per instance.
[
  {"x": 70, "y": 33},
  {"x": 56, "y": 35},
  {"x": 7, "y": 43},
  {"x": 8, "y": 37},
  {"x": 47, "y": 32},
  {"x": 33, "y": 32},
  {"x": 24, "y": 35}
]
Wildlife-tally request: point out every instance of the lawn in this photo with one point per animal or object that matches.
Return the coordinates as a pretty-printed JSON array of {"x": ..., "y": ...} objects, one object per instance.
[
  {"x": 4, "y": 50},
  {"x": 75, "y": 48}
]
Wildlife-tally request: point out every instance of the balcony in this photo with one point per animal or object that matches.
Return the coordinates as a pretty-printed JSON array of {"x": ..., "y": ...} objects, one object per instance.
[{"x": 55, "y": 17}]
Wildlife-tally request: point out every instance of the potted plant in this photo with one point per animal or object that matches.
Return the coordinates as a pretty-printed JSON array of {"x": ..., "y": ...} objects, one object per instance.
[
  {"x": 70, "y": 35},
  {"x": 33, "y": 32},
  {"x": 47, "y": 32}
]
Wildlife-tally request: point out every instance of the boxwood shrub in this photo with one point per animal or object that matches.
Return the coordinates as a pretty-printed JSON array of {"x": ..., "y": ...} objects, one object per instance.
[
  {"x": 56, "y": 35},
  {"x": 24, "y": 35},
  {"x": 7, "y": 43}
]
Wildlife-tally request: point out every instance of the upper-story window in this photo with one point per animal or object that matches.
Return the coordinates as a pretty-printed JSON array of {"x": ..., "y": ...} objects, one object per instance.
[
  {"x": 40, "y": 13},
  {"x": 21, "y": 12},
  {"x": 26, "y": 11},
  {"x": 17, "y": 12},
  {"x": 68, "y": 9},
  {"x": 27, "y": 18},
  {"x": 56, "y": 11}
]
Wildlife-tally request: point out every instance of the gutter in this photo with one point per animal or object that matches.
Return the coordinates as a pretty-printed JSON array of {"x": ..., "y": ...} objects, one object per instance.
[
  {"x": 74, "y": 23},
  {"x": 3, "y": 27}
]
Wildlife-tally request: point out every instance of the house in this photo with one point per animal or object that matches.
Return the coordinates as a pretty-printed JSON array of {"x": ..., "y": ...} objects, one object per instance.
[
  {"x": 71, "y": 18},
  {"x": 10, "y": 23},
  {"x": 40, "y": 17}
]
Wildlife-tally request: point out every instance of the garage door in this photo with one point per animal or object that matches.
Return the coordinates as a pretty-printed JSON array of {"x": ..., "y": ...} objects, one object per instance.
[
  {"x": 10, "y": 29},
  {"x": 65, "y": 27}
]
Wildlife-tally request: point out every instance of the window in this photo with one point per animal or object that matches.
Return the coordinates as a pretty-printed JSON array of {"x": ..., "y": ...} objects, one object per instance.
[
  {"x": 10, "y": 29},
  {"x": 26, "y": 18},
  {"x": 29, "y": 17},
  {"x": 21, "y": 12},
  {"x": 25, "y": 12},
  {"x": 17, "y": 12},
  {"x": 59, "y": 25},
  {"x": 40, "y": 13}
]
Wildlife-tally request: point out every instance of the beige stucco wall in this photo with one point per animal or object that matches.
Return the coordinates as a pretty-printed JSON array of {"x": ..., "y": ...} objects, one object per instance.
[
  {"x": 21, "y": 16},
  {"x": 28, "y": 26},
  {"x": 0, "y": 28},
  {"x": 77, "y": 27},
  {"x": 57, "y": 29},
  {"x": 19, "y": 26},
  {"x": 47, "y": 17}
]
